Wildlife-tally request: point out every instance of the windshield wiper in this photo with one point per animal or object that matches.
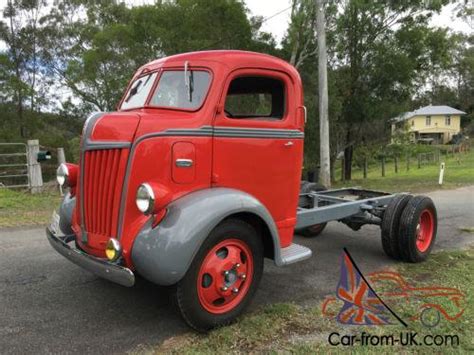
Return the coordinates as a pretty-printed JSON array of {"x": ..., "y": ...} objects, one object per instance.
[{"x": 134, "y": 90}]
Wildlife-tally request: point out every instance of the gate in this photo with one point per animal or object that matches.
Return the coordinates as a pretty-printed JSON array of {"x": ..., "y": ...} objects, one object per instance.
[{"x": 14, "y": 165}]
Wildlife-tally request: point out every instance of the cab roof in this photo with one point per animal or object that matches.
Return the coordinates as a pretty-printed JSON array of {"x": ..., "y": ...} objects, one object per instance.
[{"x": 233, "y": 59}]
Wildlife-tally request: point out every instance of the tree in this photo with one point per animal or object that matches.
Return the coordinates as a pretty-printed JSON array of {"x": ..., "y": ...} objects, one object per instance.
[
  {"x": 384, "y": 50},
  {"x": 301, "y": 31},
  {"x": 21, "y": 70},
  {"x": 325, "y": 170}
]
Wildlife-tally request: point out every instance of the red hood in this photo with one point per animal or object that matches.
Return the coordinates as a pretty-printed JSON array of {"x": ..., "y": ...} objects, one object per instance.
[
  {"x": 116, "y": 126},
  {"x": 125, "y": 126}
]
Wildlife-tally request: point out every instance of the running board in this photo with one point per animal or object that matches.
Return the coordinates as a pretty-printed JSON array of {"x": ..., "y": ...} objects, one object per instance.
[{"x": 294, "y": 253}]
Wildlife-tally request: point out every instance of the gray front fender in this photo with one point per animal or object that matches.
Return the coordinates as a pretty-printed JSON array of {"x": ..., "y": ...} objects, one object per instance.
[
  {"x": 65, "y": 213},
  {"x": 163, "y": 254}
]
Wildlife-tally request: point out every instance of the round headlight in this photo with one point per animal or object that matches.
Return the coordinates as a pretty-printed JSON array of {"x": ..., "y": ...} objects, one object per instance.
[
  {"x": 113, "y": 249},
  {"x": 62, "y": 174},
  {"x": 145, "y": 199}
]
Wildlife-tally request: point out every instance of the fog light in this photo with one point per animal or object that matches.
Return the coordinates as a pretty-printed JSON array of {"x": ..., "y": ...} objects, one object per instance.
[{"x": 113, "y": 249}]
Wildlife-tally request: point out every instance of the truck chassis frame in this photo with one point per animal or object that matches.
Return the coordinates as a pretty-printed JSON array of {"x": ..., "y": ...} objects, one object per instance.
[{"x": 352, "y": 206}]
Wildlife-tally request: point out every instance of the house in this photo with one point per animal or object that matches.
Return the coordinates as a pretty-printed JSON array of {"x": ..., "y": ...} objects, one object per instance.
[{"x": 430, "y": 124}]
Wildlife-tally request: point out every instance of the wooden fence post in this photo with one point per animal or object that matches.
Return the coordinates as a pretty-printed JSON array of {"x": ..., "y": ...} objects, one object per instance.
[
  {"x": 408, "y": 162},
  {"x": 419, "y": 161},
  {"x": 366, "y": 163},
  {"x": 383, "y": 166},
  {"x": 34, "y": 168},
  {"x": 396, "y": 164}
]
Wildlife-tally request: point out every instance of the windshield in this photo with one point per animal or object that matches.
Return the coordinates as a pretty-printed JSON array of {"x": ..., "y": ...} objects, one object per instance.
[
  {"x": 138, "y": 92},
  {"x": 174, "y": 90}
]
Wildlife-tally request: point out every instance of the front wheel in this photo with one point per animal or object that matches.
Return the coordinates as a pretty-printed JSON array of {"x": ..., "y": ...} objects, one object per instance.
[{"x": 223, "y": 276}]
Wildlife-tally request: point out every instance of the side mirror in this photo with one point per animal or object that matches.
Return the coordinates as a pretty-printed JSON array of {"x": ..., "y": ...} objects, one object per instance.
[
  {"x": 301, "y": 116},
  {"x": 43, "y": 155}
]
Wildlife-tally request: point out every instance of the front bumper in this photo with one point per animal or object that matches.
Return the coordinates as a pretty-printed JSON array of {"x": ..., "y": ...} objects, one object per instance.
[{"x": 97, "y": 266}]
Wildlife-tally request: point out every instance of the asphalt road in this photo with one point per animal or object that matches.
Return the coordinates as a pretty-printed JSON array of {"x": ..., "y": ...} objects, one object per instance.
[{"x": 49, "y": 305}]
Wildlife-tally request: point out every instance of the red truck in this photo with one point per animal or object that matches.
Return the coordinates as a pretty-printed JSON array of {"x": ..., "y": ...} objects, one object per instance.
[{"x": 197, "y": 178}]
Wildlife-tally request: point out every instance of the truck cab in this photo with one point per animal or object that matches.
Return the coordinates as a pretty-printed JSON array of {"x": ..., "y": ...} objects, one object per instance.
[
  {"x": 198, "y": 139},
  {"x": 195, "y": 179}
]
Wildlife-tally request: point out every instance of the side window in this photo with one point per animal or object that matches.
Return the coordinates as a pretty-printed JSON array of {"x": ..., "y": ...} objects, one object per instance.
[{"x": 255, "y": 97}]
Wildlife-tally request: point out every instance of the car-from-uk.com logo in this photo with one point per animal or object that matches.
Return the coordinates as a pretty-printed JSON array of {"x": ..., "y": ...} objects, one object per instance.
[{"x": 373, "y": 300}]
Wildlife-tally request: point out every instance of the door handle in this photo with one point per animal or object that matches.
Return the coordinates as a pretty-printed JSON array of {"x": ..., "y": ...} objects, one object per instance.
[
  {"x": 289, "y": 144},
  {"x": 184, "y": 163}
]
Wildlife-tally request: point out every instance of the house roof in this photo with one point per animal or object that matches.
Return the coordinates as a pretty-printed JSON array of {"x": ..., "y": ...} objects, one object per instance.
[{"x": 429, "y": 111}]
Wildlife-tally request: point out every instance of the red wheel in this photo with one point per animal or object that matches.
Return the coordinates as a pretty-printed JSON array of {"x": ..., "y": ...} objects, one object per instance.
[
  {"x": 225, "y": 276},
  {"x": 418, "y": 225},
  {"x": 222, "y": 277},
  {"x": 316, "y": 229},
  {"x": 425, "y": 230}
]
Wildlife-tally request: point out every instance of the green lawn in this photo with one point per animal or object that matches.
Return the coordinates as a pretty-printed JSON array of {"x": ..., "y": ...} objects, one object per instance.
[
  {"x": 459, "y": 171},
  {"x": 21, "y": 208},
  {"x": 291, "y": 328}
]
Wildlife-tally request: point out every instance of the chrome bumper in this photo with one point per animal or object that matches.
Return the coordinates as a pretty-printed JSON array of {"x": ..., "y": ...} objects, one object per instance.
[{"x": 97, "y": 266}]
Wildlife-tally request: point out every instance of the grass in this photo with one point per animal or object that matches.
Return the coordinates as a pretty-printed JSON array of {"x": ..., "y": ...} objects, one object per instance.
[
  {"x": 459, "y": 171},
  {"x": 291, "y": 328},
  {"x": 21, "y": 208}
]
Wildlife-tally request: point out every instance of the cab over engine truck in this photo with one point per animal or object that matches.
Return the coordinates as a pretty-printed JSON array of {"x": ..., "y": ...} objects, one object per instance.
[{"x": 197, "y": 178}]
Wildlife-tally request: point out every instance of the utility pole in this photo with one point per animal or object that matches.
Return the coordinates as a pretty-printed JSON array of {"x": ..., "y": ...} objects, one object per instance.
[{"x": 324, "y": 157}]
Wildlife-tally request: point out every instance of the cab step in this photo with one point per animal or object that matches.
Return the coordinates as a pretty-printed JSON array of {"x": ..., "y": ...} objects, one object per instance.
[{"x": 294, "y": 253}]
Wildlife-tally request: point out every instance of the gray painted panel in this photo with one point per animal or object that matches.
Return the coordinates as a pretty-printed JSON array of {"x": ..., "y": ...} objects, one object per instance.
[
  {"x": 65, "y": 213},
  {"x": 337, "y": 211},
  {"x": 163, "y": 254}
]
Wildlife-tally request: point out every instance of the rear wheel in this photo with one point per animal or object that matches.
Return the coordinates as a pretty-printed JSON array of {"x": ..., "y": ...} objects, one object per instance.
[
  {"x": 316, "y": 229},
  {"x": 223, "y": 276},
  {"x": 390, "y": 228},
  {"x": 418, "y": 226}
]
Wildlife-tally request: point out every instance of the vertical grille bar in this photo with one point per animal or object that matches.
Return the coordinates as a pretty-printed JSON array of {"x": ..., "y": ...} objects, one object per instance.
[{"x": 100, "y": 182}]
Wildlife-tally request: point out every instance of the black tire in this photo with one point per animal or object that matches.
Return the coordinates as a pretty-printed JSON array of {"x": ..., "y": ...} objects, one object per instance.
[
  {"x": 186, "y": 294},
  {"x": 314, "y": 230},
  {"x": 390, "y": 228},
  {"x": 410, "y": 225}
]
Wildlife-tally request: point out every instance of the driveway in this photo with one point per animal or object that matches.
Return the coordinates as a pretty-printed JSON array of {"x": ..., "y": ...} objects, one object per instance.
[{"x": 49, "y": 305}]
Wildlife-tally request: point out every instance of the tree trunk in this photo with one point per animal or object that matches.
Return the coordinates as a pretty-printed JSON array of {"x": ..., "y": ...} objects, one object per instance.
[
  {"x": 348, "y": 163},
  {"x": 325, "y": 168}
]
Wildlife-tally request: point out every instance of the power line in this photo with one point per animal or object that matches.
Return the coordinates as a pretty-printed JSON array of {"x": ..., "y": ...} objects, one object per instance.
[{"x": 261, "y": 23}]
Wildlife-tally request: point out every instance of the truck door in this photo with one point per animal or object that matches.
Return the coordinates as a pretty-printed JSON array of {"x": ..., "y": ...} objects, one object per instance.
[{"x": 257, "y": 147}]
